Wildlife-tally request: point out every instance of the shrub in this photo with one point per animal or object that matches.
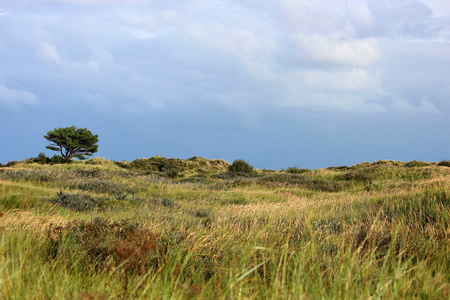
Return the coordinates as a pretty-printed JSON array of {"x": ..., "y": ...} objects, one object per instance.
[
  {"x": 444, "y": 163},
  {"x": 101, "y": 243},
  {"x": 42, "y": 159},
  {"x": 362, "y": 165},
  {"x": 295, "y": 170},
  {"x": 391, "y": 163},
  {"x": 99, "y": 161},
  {"x": 340, "y": 168},
  {"x": 240, "y": 166},
  {"x": 56, "y": 159},
  {"x": 415, "y": 163},
  {"x": 77, "y": 202},
  {"x": 12, "y": 163}
]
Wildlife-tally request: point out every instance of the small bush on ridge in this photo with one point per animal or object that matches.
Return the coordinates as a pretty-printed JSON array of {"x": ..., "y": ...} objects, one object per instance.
[
  {"x": 415, "y": 163},
  {"x": 444, "y": 163},
  {"x": 240, "y": 166},
  {"x": 56, "y": 159},
  {"x": 295, "y": 170}
]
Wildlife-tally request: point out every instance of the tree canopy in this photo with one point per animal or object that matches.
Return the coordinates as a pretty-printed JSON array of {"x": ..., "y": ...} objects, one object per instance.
[{"x": 72, "y": 142}]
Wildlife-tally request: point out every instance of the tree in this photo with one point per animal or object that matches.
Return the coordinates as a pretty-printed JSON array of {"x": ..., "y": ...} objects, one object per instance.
[{"x": 72, "y": 142}]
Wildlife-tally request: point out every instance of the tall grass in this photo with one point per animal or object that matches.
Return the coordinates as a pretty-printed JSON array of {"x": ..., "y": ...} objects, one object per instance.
[{"x": 279, "y": 235}]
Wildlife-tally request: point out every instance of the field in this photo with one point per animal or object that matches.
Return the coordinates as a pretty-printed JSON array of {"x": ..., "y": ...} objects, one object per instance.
[{"x": 190, "y": 229}]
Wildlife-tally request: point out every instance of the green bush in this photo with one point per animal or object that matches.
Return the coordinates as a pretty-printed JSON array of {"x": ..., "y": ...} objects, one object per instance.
[
  {"x": 415, "y": 163},
  {"x": 12, "y": 163},
  {"x": 295, "y": 170},
  {"x": 77, "y": 202},
  {"x": 56, "y": 159},
  {"x": 240, "y": 166},
  {"x": 101, "y": 243},
  {"x": 42, "y": 159},
  {"x": 444, "y": 163},
  {"x": 340, "y": 168}
]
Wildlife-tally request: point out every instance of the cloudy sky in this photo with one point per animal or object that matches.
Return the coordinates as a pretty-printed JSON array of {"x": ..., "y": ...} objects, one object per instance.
[{"x": 278, "y": 83}]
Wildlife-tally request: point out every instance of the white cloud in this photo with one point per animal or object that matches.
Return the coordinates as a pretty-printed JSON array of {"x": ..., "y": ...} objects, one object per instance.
[
  {"x": 94, "y": 98},
  {"x": 355, "y": 80},
  {"x": 396, "y": 19},
  {"x": 352, "y": 90},
  {"x": 141, "y": 33},
  {"x": 16, "y": 99},
  {"x": 237, "y": 41},
  {"x": 49, "y": 52},
  {"x": 361, "y": 15},
  {"x": 299, "y": 53},
  {"x": 423, "y": 107},
  {"x": 335, "y": 50},
  {"x": 312, "y": 16}
]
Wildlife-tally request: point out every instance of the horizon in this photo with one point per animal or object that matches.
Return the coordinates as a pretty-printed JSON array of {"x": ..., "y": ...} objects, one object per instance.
[
  {"x": 311, "y": 85},
  {"x": 256, "y": 167}
]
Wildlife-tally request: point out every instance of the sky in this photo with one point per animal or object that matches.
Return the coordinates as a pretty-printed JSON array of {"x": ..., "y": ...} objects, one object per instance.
[{"x": 278, "y": 83}]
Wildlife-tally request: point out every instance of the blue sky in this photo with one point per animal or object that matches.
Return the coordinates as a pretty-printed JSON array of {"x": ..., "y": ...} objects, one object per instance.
[{"x": 278, "y": 83}]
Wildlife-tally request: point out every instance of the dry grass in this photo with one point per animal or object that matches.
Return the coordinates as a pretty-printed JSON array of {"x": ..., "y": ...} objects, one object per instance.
[{"x": 337, "y": 233}]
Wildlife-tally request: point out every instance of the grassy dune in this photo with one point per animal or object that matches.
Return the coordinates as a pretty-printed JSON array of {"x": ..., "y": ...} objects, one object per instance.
[{"x": 188, "y": 229}]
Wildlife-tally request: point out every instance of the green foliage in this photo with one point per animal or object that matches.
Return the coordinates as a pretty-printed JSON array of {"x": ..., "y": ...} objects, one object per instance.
[
  {"x": 444, "y": 163},
  {"x": 416, "y": 164},
  {"x": 176, "y": 168},
  {"x": 72, "y": 142},
  {"x": 240, "y": 166},
  {"x": 384, "y": 172},
  {"x": 100, "y": 243},
  {"x": 41, "y": 159},
  {"x": 295, "y": 170},
  {"x": 12, "y": 163},
  {"x": 340, "y": 168},
  {"x": 278, "y": 235},
  {"x": 391, "y": 163},
  {"x": 77, "y": 202},
  {"x": 56, "y": 159}
]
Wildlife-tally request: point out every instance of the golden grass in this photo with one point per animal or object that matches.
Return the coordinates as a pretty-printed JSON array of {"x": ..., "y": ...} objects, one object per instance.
[{"x": 235, "y": 238}]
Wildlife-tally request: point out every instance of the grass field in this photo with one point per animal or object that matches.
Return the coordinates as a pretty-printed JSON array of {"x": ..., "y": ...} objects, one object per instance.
[{"x": 189, "y": 229}]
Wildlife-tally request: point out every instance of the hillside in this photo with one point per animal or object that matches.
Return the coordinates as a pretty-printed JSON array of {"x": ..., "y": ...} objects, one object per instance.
[{"x": 172, "y": 228}]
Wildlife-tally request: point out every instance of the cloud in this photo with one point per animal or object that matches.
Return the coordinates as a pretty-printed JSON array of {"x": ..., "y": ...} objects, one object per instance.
[
  {"x": 94, "y": 98},
  {"x": 400, "y": 18},
  {"x": 15, "y": 99},
  {"x": 49, "y": 52},
  {"x": 335, "y": 50},
  {"x": 405, "y": 107},
  {"x": 353, "y": 90},
  {"x": 327, "y": 55},
  {"x": 311, "y": 16}
]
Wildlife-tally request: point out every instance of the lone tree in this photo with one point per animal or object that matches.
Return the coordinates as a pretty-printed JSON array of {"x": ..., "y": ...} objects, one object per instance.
[{"x": 72, "y": 142}]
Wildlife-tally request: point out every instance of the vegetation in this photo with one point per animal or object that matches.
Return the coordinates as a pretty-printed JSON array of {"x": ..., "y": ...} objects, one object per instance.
[
  {"x": 240, "y": 166},
  {"x": 72, "y": 142},
  {"x": 163, "y": 228}
]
